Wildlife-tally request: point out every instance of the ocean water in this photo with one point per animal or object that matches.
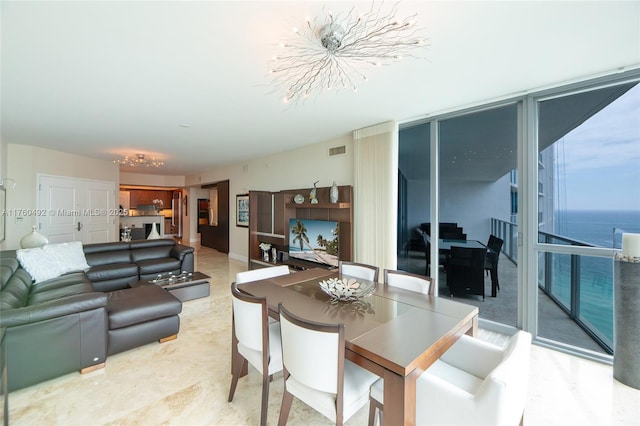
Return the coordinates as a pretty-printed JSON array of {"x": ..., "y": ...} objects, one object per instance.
[
  {"x": 601, "y": 229},
  {"x": 596, "y": 227}
]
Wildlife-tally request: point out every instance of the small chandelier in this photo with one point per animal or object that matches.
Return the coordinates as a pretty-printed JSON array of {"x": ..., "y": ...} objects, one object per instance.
[
  {"x": 335, "y": 52},
  {"x": 139, "y": 161}
]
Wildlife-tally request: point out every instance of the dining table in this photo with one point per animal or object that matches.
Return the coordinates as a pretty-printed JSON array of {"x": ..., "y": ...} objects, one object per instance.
[
  {"x": 444, "y": 246},
  {"x": 394, "y": 333}
]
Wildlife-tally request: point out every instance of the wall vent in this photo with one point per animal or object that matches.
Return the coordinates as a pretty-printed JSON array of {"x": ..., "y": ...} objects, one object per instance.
[{"x": 338, "y": 150}]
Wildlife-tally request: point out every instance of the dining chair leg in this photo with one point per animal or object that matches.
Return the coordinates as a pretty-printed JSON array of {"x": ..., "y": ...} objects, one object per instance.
[
  {"x": 287, "y": 399},
  {"x": 375, "y": 406},
  {"x": 236, "y": 375},
  {"x": 265, "y": 400},
  {"x": 494, "y": 281}
]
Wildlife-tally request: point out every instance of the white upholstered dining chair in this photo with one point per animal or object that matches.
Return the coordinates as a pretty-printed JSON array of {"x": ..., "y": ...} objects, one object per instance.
[
  {"x": 258, "y": 343},
  {"x": 359, "y": 270},
  {"x": 409, "y": 281},
  {"x": 261, "y": 273},
  {"x": 474, "y": 382},
  {"x": 316, "y": 371}
]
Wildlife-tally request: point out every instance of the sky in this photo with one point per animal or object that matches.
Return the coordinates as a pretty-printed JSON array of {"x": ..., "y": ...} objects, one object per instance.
[{"x": 602, "y": 158}]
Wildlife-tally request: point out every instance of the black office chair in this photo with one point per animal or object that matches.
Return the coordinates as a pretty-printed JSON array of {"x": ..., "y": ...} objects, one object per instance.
[
  {"x": 493, "y": 255},
  {"x": 465, "y": 271}
]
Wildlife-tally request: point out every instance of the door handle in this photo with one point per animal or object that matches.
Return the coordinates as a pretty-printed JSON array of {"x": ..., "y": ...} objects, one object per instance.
[{"x": 79, "y": 226}]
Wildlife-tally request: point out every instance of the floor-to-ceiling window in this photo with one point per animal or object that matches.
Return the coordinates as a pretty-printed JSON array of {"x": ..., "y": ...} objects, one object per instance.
[
  {"x": 478, "y": 153},
  {"x": 578, "y": 179},
  {"x": 591, "y": 142},
  {"x": 413, "y": 196}
]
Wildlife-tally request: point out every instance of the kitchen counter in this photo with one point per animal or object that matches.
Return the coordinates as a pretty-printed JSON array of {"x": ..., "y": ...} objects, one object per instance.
[{"x": 134, "y": 222}]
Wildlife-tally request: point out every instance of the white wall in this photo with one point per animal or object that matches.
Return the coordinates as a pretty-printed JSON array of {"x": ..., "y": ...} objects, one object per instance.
[
  {"x": 192, "y": 230},
  {"x": 3, "y": 174},
  {"x": 418, "y": 204},
  {"x": 460, "y": 202},
  {"x": 151, "y": 180},
  {"x": 27, "y": 162},
  {"x": 298, "y": 168}
]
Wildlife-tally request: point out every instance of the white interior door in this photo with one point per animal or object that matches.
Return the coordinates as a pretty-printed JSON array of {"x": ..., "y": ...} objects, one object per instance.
[
  {"x": 58, "y": 201},
  {"x": 76, "y": 210},
  {"x": 98, "y": 225}
]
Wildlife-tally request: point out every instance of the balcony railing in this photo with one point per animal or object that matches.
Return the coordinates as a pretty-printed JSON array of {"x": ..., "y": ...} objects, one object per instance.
[{"x": 582, "y": 286}]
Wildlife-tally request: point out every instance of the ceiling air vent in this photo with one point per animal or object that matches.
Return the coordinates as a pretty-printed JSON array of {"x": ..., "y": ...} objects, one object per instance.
[{"x": 338, "y": 150}]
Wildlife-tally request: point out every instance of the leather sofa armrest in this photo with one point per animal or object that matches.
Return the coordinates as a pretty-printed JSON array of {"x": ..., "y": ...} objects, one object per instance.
[
  {"x": 53, "y": 309},
  {"x": 179, "y": 251},
  {"x": 185, "y": 255}
]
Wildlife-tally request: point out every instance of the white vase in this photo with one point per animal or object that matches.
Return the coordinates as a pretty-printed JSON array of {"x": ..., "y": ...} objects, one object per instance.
[
  {"x": 154, "y": 234},
  {"x": 33, "y": 239},
  {"x": 333, "y": 193}
]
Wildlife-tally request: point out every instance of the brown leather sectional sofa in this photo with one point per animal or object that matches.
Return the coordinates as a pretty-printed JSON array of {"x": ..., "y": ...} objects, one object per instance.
[{"x": 73, "y": 322}]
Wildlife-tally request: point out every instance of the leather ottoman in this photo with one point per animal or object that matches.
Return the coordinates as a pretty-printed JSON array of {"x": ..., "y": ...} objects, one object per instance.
[{"x": 142, "y": 315}]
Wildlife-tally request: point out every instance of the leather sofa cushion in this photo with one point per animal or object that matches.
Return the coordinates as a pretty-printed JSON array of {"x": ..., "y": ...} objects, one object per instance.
[
  {"x": 137, "y": 305},
  {"x": 8, "y": 265},
  {"x": 59, "y": 282},
  {"x": 15, "y": 292},
  {"x": 113, "y": 270},
  {"x": 157, "y": 266},
  {"x": 59, "y": 293},
  {"x": 107, "y": 253},
  {"x": 150, "y": 253}
]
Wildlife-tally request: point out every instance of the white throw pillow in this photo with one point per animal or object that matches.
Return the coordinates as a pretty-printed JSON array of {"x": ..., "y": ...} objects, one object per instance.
[{"x": 53, "y": 260}]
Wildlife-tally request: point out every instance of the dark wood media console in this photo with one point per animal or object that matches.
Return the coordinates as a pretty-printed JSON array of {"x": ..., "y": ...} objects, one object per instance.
[{"x": 269, "y": 214}]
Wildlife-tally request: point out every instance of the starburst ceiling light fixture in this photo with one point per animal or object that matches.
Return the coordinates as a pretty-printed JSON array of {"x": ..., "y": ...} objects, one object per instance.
[
  {"x": 334, "y": 53},
  {"x": 139, "y": 161}
]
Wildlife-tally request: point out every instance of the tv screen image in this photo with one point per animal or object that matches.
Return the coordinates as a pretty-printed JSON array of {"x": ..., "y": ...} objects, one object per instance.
[{"x": 314, "y": 240}]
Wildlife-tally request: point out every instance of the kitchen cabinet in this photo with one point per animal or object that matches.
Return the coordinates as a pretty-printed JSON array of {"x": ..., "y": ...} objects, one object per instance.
[
  {"x": 145, "y": 197},
  {"x": 125, "y": 200}
]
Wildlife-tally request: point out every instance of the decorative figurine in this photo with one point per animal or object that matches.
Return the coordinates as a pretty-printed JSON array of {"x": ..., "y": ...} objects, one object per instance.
[
  {"x": 312, "y": 194},
  {"x": 333, "y": 193}
]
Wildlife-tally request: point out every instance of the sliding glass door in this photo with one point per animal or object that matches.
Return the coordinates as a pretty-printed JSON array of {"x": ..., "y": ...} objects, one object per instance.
[
  {"x": 555, "y": 176},
  {"x": 589, "y": 141},
  {"x": 478, "y": 159}
]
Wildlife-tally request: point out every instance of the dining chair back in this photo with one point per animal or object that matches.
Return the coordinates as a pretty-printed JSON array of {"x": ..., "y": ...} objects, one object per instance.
[
  {"x": 258, "y": 343},
  {"x": 316, "y": 371},
  {"x": 261, "y": 273},
  {"x": 474, "y": 382},
  {"x": 442, "y": 258},
  {"x": 491, "y": 261},
  {"x": 359, "y": 270},
  {"x": 409, "y": 281},
  {"x": 465, "y": 271}
]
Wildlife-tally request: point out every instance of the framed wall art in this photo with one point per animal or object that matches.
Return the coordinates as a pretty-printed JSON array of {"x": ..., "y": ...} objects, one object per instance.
[{"x": 242, "y": 210}]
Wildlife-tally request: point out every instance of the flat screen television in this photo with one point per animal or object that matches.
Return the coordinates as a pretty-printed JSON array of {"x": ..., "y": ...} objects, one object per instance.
[{"x": 314, "y": 240}]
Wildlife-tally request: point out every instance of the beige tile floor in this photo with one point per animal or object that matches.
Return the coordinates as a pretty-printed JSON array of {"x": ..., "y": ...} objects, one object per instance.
[{"x": 186, "y": 381}]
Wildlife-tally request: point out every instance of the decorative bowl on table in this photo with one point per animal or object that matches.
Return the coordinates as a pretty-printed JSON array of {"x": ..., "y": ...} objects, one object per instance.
[{"x": 347, "y": 290}]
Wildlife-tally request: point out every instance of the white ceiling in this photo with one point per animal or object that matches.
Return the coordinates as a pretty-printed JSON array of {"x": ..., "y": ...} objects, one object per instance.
[{"x": 187, "y": 82}]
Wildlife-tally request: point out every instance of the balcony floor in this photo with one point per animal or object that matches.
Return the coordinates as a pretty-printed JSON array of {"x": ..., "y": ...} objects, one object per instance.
[{"x": 553, "y": 322}]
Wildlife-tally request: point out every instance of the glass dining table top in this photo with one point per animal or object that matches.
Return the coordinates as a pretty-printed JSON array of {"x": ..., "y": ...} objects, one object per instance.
[
  {"x": 447, "y": 244},
  {"x": 392, "y": 324}
]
